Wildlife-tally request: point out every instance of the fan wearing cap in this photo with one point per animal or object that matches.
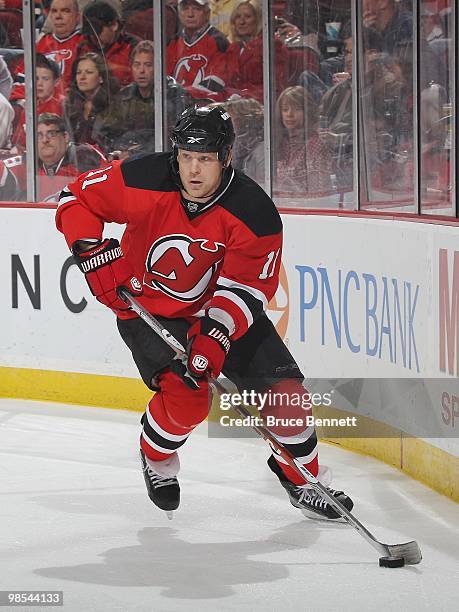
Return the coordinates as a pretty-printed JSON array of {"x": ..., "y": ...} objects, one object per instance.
[
  {"x": 197, "y": 57},
  {"x": 202, "y": 252},
  {"x": 104, "y": 34}
]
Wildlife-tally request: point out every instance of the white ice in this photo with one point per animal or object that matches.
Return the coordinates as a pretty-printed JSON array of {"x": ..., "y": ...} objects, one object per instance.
[{"x": 74, "y": 516}]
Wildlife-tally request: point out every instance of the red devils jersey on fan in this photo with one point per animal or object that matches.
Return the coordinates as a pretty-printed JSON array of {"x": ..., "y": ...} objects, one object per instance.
[
  {"x": 247, "y": 80},
  {"x": 225, "y": 257},
  {"x": 63, "y": 51},
  {"x": 202, "y": 66}
]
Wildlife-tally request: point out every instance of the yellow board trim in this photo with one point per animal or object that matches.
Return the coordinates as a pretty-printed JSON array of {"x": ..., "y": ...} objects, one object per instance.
[
  {"x": 74, "y": 388},
  {"x": 417, "y": 458}
]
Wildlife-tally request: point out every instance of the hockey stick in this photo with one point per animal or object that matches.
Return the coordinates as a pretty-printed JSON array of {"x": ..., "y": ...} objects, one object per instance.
[{"x": 393, "y": 554}]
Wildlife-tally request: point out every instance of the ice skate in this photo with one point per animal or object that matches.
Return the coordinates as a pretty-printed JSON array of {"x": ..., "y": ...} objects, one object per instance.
[
  {"x": 309, "y": 501},
  {"x": 163, "y": 489}
]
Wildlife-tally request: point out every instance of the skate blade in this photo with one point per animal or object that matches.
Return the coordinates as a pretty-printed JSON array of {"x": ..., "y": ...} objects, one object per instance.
[
  {"x": 169, "y": 514},
  {"x": 322, "y": 519}
]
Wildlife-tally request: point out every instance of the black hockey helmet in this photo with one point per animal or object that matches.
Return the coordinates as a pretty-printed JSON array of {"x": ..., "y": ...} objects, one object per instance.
[{"x": 204, "y": 129}]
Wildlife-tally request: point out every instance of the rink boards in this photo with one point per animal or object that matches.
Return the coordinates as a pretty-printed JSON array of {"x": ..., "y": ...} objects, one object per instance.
[{"x": 368, "y": 306}]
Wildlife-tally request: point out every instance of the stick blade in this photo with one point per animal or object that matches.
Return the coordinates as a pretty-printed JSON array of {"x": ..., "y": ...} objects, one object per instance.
[{"x": 410, "y": 552}]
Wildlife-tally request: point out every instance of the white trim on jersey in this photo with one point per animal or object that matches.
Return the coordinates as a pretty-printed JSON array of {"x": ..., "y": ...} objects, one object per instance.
[
  {"x": 223, "y": 317},
  {"x": 257, "y": 294},
  {"x": 66, "y": 196},
  {"x": 302, "y": 460},
  {"x": 159, "y": 430},
  {"x": 299, "y": 439},
  {"x": 239, "y": 302},
  {"x": 160, "y": 449},
  {"x": 182, "y": 36}
]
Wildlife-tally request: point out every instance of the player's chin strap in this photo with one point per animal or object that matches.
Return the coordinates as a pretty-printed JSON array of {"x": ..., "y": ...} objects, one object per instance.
[{"x": 409, "y": 551}]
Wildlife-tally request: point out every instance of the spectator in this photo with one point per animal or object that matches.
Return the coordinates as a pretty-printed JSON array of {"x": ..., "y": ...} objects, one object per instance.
[
  {"x": 138, "y": 18},
  {"x": 59, "y": 161},
  {"x": 91, "y": 91},
  {"x": 303, "y": 162},
  {"x": 246, "y": 52},
  {"x": 61, "y": 44},
  {"x": 6, "y": 80},
  {"x": 11, "y": 23},
  {"x": 336, "y": 106},
  {"x": 133, "y": 109},
  {"x": 197, "y": 57},
  {"x": 104, "y": 34},
  {"x": 394, "y": 25},
  {"x": 248, "y": 150},
  {"x": 48, "y": 99},
  {"x": 6, "y": 122},
  {"x": 431, "y": 26}
]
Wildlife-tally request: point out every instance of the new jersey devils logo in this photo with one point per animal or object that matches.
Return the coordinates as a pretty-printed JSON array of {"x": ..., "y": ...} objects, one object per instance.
[
  {"x": 182, "y": 267},
  {"x": 190, "y": 70},
  {"x": 60, "y": 57}
]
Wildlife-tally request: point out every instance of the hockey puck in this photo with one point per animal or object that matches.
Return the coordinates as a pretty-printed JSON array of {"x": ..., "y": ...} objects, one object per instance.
[{"x": 391, "y": 562}]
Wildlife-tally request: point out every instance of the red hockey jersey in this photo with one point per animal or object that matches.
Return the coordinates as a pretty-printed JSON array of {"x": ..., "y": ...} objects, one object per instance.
[
  {"x": 247, "y": 80},
  {"x": 201, "y": 66},
  {"x": 225, "y": 256},
  {"x": 63, "y": 51}
]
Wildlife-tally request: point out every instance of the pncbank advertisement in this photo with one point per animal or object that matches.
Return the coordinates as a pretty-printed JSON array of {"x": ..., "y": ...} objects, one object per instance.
[{"x": 381, "y": 324}]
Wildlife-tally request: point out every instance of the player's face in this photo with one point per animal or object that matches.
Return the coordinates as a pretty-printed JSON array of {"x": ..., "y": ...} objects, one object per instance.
[
  {"x": 192, "y": 15},
  {"x": 45, "y": 83},
  {"x": 64, "y": 17},
  {"x": 88, "y": 78},
  {"x": 292, "y": 116},
  {"x": 201, "y": 173},
  {"x": 52, "y": 143},
  {"x": 245, "y": 21},
  {"x": 142, "y": 70}
]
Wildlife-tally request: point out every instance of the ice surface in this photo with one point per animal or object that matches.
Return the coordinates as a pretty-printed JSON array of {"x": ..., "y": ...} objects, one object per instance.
[{"x": 74, "y": 516}]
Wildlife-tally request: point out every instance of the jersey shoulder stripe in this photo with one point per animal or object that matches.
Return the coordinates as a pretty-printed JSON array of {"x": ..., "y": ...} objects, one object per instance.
[
  {"x": 152, "y": 172},
  {"x": 247, "y": 201}
]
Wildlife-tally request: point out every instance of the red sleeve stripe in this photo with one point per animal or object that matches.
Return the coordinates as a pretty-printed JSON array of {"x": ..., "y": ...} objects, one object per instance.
[{"x": 257, "y": 294}]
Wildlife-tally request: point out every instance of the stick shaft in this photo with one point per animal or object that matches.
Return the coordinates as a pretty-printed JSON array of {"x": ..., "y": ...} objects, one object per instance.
[{"x": 262, "y": 431}]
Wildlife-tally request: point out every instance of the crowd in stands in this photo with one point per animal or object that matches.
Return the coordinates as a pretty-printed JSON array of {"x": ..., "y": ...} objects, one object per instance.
[{"x": 95, "y": 95}]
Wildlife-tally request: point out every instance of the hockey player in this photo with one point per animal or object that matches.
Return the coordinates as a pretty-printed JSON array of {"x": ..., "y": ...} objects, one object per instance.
[{"x": 201, "y": 251}]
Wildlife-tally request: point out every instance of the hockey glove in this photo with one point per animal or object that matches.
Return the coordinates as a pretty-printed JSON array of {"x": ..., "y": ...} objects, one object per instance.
[
  {"x": 208, "y": 345},
  {"x": 107, "y": 271}
]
